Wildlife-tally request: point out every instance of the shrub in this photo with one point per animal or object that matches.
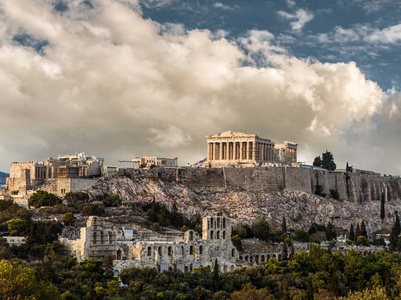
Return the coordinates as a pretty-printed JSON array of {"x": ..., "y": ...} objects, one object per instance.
[
  {"x": 301, "y": 236},
  {"x": 43, "y": 198},
  {"x": 334, "y": 194}
]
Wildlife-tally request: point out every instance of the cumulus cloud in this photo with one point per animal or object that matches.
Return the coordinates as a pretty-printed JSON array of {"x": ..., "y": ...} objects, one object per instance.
[
  {"x": 117, "y": 85},
  {"x": 300, "y": 17}
]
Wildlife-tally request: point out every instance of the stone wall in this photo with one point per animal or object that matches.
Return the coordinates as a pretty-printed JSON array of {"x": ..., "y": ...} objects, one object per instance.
[{"x": 352, "y": 187}]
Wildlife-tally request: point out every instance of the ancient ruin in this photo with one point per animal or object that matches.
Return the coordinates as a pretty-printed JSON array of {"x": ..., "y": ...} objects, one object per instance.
[
  {"x": 229, "y": 148},
  {"x": 141, "y": 247},
  {"x": 155, "y": 161}
]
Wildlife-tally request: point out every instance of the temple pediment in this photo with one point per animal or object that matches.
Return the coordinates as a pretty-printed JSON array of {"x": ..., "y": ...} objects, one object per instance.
[{"x": 231, "y": 134}]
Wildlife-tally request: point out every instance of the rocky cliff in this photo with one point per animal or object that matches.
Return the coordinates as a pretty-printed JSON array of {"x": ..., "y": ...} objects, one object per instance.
[{"x": 247, "y": 194}]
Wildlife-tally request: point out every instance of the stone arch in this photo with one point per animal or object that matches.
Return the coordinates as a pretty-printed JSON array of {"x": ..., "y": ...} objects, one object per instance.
[
  {"x": 218, "y": 222},
  {"x": 182, "y": 250},
  {"x": 279, "y": 257},
  {"x": 246, "y": 258},
  {"x": 224, "y": 235},
  {"x": 160, "y": 251},
  {"x": 257, "y": 259},
  {"x": 211, "y": 234},
  {"x": 225, "y": 268},
  {"x": 169, "y": 251},
  {"x": 262, "y": 258},
  {"x": 200, "y": 250},
  {"x": 232, "y": 268},
  {"x": 149, "y": 251},
  {"x": 191, "y": 250},
  {"x": 251, "y": 258},
  {"x": 186, "y": 269},
  {"x": 218, "y": 235},
  {"x": 118, "y": 254},
  {"x": 191, "y": 235},
  {"x": 224, "y": 223}
]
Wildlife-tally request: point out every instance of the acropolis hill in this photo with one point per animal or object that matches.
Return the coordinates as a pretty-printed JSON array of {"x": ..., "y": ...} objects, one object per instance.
[{"x": 245, "y": 177}]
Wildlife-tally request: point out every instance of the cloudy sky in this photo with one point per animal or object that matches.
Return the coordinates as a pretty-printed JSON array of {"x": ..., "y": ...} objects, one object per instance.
[{"x": 122, "y": 78}]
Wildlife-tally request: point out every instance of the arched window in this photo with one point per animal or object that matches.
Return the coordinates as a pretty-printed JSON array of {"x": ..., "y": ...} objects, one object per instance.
[
  {"x": 200, "y": 250},
  {"x": 118, "y": 254},
  {"x": 211, "y": 222},
  {"x": 191, "y": 250},
  {"x": 218, "y": 235},
  {"x": 218, "y": 222},
  {"x": 169, "y": 251},
  {"x": 149, "y": 251},
  {"x": 224, "y": 235},
  {"x": 262, "y": 258},
  {"x": 224, "y": 223},
  {"x": 191, "y": 235},
  {"x": 211, "y": 234},
  {"x": 160, "y": 251},
  {"x": 182, "y": 250}
]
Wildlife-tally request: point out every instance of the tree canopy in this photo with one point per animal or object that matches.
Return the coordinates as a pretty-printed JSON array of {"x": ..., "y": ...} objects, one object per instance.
[{"x": 326, "y": 161}]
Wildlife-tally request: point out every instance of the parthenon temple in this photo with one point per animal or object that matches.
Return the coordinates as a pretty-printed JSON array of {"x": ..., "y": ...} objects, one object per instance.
[{"x": 237, "y": 147}]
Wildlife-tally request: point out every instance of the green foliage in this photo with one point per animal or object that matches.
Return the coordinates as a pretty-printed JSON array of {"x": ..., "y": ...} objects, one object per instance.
[
  {"x": 351, "y": 235},
  {"x": 319, "y": 190},
  {"x": 382, "y": 207},
  {"x": 334, "y": 194},
  {"x": 379, "y": 242},
  {"x": 91, "y": 209},
  {"x": 302, "y": 236},
  {"x": 43, "y": 198},
  {"x": 77, "y": 196},
  {"x": 69, "y": 218},
  {"x": 237, "y": 241},
  {"x": 330, "y": 232},
  {"x": 395, "y": 232},
  {"x": 326, "y": 161},
  {"x": 19, "y": 282},
  {"x": 112, "y": 200},
  {"x": 261, "y": 229},
  {"x": 284, "y": 225},
  {"x": 184, "y": 228},
  {"x": 362, "y": 240}
]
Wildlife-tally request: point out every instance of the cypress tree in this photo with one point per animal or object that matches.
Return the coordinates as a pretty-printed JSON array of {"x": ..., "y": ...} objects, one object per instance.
[
  {"x": 363, "y": 229},
  {"x": 357, "y": 231},
  {"x": 285, "y": 251},
  {"x": 309, "y": 291},
  {"x": 382, "y": 211},
  {"x": 284, "y": 225},
  {"x": 292, "y": 252},
  {"x": 395, "y": 232},
  {"x": 216, "y": 272},
  {"x": 351, "y": 233}
]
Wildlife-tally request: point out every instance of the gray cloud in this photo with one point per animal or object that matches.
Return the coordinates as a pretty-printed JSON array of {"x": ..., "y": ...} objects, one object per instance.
[{"x": 115, "y": 85}]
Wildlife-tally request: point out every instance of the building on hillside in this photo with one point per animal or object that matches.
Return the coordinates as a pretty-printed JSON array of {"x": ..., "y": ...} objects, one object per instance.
[
  {"x": 29, "y": 175},
  {"x": 242, "y": 148},
  {"x": 15, "y": 240},
  {"x": 149, "y": 161}
]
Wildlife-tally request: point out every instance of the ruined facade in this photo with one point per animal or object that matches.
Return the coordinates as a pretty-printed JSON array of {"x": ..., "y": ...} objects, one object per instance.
[
  {"x": 241, "y": 148},
  {"x": 183, "y": 251},
  {"x": 148, "y": 161},
  {"x": 28, "y": 175}
]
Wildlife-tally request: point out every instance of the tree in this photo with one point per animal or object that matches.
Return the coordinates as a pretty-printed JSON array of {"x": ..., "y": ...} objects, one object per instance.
[
  {"x": 333, "y": 287},
  {"x": 395, "y": 232},
  {"x": 19, "y": 282},
  {"x": 330, "y": 233},
  {"x": 69, "y": 218},
  {"x": 284, "y": 225},
  {"x": 301, "y": 236},
  {"x": 317, "y": 162},
  {"x": 43, "y": 198},
  {"x": 364, "y": 232},
  {"x": 357, "y": 231},
  {"x": 328, "y": 161},
  {"x": 261, "y": 229},
  {"x": 108, "y": 269},
  {"x": 382, "y": 210},
  {"x": 237, "y": 242},
  {"x": 351, "y": 233}
]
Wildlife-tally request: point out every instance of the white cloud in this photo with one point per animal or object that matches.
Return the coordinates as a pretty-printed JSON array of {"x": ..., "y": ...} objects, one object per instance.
[
  {"x": 389, "y": 35},
  {"x": 222, "y": 6},
  {"x": 290, "y": 3},
  {"x": 301, "y": 17},
  {"x": 116, "y": 84}
]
